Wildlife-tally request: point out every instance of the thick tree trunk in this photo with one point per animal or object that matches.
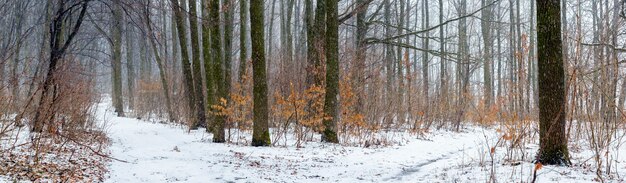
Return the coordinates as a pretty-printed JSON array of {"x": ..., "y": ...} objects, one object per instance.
[
  {"x": 209, "y": 63},
  {"x": 320, "y": 43},
  {"x": 197, "y": 68},
  {"x": 552, "y": 100},
  {"x": 361, "y": 56},
  {"x": 332, "y": 73},
  {"x": 261, "y": 133},
  {"x": 116, "y": 35},
  {"x": 185, "y": 64},
  {"x": 218, "y": 68}
]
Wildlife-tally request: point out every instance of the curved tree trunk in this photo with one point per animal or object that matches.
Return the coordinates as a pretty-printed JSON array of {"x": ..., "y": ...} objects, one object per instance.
[
  {"x": 186, "y": 66},
  {"x": 159, "y": 61}
]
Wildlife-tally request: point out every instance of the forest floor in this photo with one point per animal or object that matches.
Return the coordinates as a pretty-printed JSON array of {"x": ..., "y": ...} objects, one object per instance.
[
  {"x": 157, "y": 152},
  {"x": 143, "y": 151}
]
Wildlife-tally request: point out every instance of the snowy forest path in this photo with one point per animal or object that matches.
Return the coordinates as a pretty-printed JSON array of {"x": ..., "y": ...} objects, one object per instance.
[{"x": 159, "y": 152}]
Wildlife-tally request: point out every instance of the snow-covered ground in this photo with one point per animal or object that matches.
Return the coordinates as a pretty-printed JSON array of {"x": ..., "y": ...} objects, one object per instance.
[{"x": 158, "y": 152}]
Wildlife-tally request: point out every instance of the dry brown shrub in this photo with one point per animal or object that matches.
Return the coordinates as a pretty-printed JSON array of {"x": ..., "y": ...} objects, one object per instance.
[
  {"x": 149, "y": 103},
  {"x": 352, "y": 125},
  {"x": 72, "y": 103},
  {"x": 300, "y": 113},
  {"x": 70, "y": 147}
]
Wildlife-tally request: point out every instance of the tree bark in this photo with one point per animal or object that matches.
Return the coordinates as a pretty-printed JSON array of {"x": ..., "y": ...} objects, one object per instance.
[
  {"x": 200, "y": 119},
  {"x": 57, "y": 51},
  {"x": 443, "y": 77},
  {"x": 487, "y": 42},
  {"x": 159, "y": 61},
  {"x": 243, "y": 30},
  {"x": 261, "y": 133},
  {"x": 228, "y": 43},
  {"x": 185, "y": 64},
  {"x": 320, "y": 43},
  {"x": 116, "y": 35},
  {"x": 130, "y": 68},
  {"x": 425, "y": 55},
  {"x": 218, "y": 68},
  {"x": 462, "y": 66},
  {"x": 209, "y": 63},
  {"x": 332, "y": 73},
  {"x": 361, "y": 56},
  {"x": 552, "y": 100}
]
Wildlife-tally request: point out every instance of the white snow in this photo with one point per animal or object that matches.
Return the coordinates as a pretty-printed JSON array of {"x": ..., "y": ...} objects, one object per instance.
[{"x": 167, "y": 153}]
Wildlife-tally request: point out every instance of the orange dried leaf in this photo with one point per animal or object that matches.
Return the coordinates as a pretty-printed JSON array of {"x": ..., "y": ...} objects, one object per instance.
[
  {"x": 538, "y": 166},
  {"x": 507, "y": 136}
]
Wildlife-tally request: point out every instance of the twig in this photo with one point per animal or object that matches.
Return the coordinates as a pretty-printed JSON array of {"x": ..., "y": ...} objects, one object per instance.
[{"x": 93, "y": 150}]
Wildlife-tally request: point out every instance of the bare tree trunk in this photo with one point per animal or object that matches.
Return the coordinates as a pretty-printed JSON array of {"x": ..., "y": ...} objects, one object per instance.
[
  {"x": 21, "y": 8},
  {"x": 522, "y": 100},
  {"x": 320, "y": 45},
  {"x": 175, "y": 41},
  {"x": 500, "y": 60},
  {"x": 130, "y": 69},
  {"x": 243, "y": 30},
  {"x": 209, "y": 62},
  {"x": 197, "y": 68},
  {"x": 228, "y": 43},
  {"x": 425, "y": 55},
  {"x": 286, "y": 41},
  {"x": 270, "y": 45},
  {"x": 388, "y": 60},
  {"x": 163, "y": 76},
  {"x": 311, "y": 54},
  {"x": 462, "y": 66},
  {"x": 552, "y": 100},
  {"x": 185, "y": 64},
  {"x": 487, "y": 42},
  {"x": 332, "y": 73},
  {"x": 57, "y": 51},
  {"x": 361, "y": 56},
  {"x": 218, "y": 68},
  {"x": 532, "y": 58},
  {"x": 261, "y": 133},
  {"x": 116, "y": 35},
  {"x": 443, "y": 77},
  {"x": 512, "y": 58}
]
